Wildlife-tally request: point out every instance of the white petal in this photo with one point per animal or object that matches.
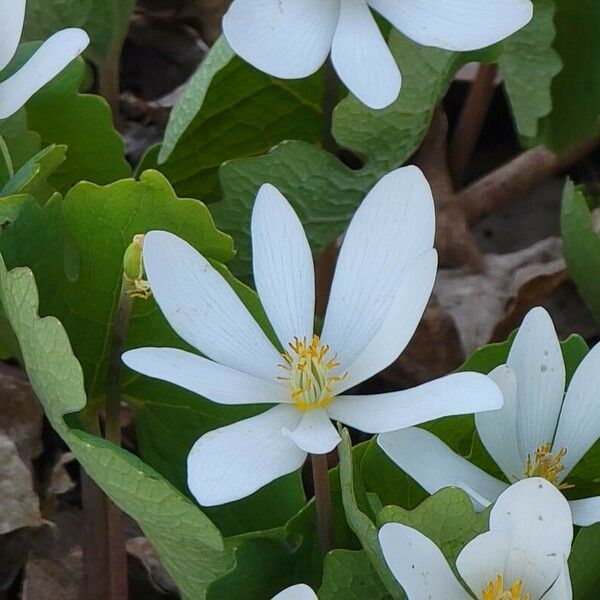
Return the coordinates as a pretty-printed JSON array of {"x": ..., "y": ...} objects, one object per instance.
[
  {"x": 237, "y": 460},
  {"x": 498, "y": 428},
  {"x": 418, "y": 564},
  {"x": 482, "y": 559},
  {"x": 456, "y": 24},
  {"x": 562, "y": 589},
  {"x": 296, "y": 592},
  {"x": 537, "y": 518},
  {"x": 11, "y": 26},
  {"x": 536, "y": 360},
  {"x": 362, "y": 58},
  {"x": 434, "y": 466},
  {"x": 579, "y": 423},
  {"x": 393, "y": 226},
  {"x": 456, "y": 394},
  {"x": 47, "y": 62},
  {"x": 399, "y": 325},
  {"x": 315, "y": 433},
  {"x": 283, "y": 266},
  {"x": 586, "y": 511},
  {"x": 205, "y": 377},
  {"x": 203, "y": 309},
  {"x": 285, "y": 38}
]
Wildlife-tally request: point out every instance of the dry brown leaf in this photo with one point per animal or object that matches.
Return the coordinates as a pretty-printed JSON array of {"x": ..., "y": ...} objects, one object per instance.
[
  {"x": 19, "y": 506},
  {"x": 49, "y": 579},
  {"x": 21, "y": 416},
  {"x": 511, "y": 285},
  {"x": 141, "y": 549}
]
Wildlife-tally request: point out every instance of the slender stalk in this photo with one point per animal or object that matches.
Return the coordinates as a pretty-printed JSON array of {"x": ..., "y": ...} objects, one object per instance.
[
  {"x": 329, "y": 102},
  {"x": 95, "y": 553},
  {"x": 105, "y": 556},
  {"x": 10, "y": 171},
  {"x": 112, "y": 427},
  {"x": 471, "y": 121},
  {"x": 322, "y": 501}
]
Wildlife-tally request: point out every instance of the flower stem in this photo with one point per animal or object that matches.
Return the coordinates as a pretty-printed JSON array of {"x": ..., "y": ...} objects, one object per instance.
[
  {"x": 116, "y": 554},
  {"x": 322, "y": 501},
  {"x": 329, "y": 102},
  {"x": 112, "y": 425}
]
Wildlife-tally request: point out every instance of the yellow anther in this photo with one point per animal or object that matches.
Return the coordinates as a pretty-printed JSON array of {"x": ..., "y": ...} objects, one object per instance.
[
  {"x": 495, "y": 590},
  {"x": 547, "y": 465},
  {"x": 309, "y": 373}
]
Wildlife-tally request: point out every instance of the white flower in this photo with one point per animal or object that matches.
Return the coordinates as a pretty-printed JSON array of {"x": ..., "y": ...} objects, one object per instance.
[
  {"x": 291, "y": 39},
  {"x": 49, "y": 60},
  {"x": 296, "y": 592},
  {"x": 522, "y": 557},
  {"x": 384, "y": 277},
  {"x": 540, "y": 430}
]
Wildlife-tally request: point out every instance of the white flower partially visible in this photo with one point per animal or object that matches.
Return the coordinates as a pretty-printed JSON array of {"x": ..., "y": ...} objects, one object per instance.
[
  {"x": 291, "y": 39},
  {"x": 540, "y": 430},
  {"x": 296, "y": 592},
  {"x": 383, "y": 280},
  {"x": 523, "y": 556},
  {"x": 47, "y": 62}
]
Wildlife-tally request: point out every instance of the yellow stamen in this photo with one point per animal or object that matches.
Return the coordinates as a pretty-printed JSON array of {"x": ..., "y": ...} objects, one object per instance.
[
  {"x": 309, "y": 373},
  {"x": 495, "y": 590},
  {"x": 547, "y": 465}
]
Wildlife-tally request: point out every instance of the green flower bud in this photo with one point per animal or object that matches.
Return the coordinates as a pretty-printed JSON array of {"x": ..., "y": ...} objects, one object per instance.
[{"x": 133, "y": 269}]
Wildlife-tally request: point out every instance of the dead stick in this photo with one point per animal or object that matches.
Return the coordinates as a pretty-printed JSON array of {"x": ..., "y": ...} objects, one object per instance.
[
  {"x": 515, "y": 178},
  {"x": 470, "y": 124}
]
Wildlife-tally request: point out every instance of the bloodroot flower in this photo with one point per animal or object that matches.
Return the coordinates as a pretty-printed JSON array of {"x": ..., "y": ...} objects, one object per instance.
[
  {"x": 522, "y": 557},
  {"x": 291, "y": 39},
  {"x": 541, "y": 431},
  {"x": 384, "y": 277},
  {"x": 49, "y": 60}
]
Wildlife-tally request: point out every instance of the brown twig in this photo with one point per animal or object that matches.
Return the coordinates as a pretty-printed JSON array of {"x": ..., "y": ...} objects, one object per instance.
[
  {"x": 470, "y": 123},
  {"x": 515, "y": 178},
  {"x": 457, "y": 212},
  {"x": 454, "y": 240}
]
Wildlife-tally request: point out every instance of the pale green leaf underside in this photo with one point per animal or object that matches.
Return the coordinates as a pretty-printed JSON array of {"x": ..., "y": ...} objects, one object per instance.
[{"x": 190, "y": 546}]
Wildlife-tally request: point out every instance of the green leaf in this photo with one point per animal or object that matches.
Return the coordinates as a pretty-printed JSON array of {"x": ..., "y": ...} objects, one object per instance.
[
  {"x": 349, "y": 575},
  {"x": 583, "y": 563},
  {"x": 82, "y": 122},
  {"x": 35, "y": 172},
  {"x": 230, "y": 110},
  {"x": 528, "y": 66},
  {"x": 189, "y": 545},
  {"x": 263, "y": 567},
  {"x": 364, "y": 528},
  {"x": 323, "y": 191},
  {"x": 285, "y": 555},
  {"x": 576, "y": 89},
  {"x": 59, "y": 114},
  {"x": 106, "y": 22},
  {"x": 22, "y": 143},
  {"x": 581, "y": 246},
  {"x": 447, "y": 518}
]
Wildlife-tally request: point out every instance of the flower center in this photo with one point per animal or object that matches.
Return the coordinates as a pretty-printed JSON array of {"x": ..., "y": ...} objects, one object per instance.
[
  {"x": 309, "y": 373},
  {"x": 543, "y": 463},
  {"x": 495, "y": 590}
]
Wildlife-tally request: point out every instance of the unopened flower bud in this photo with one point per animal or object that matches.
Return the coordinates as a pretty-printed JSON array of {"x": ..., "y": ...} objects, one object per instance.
[{"x": 133, "y": 269}]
